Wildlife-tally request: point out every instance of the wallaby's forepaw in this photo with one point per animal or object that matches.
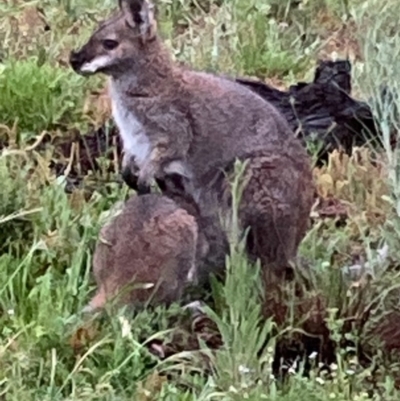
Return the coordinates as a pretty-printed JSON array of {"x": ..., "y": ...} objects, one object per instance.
[
  {"x": 135, "y": 182},
  {"x": 130, "y": 171},
  {"x": 146, "y": 176},
  {"x": 130, "y": 178},
  {"x": 143, "y": 188},
  {"x": 144, "y": 184}
]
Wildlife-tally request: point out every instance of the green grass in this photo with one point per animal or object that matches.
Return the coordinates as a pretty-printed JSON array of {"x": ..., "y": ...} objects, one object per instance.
[
  {"x": 49, "y": 351},
  {"x": 51, "y": 98}
]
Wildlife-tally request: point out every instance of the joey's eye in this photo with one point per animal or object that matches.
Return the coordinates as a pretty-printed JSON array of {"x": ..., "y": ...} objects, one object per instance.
[{"x": 110, "y": 44}]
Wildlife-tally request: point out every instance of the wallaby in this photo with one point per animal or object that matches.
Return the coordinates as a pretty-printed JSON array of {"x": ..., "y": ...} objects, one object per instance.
[
  {"x": 192, "y": 124},
  {"x": 145, "y": 253}
]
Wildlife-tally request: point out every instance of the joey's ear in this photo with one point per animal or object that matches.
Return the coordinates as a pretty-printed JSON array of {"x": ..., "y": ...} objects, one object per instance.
[{"x": 139, "y": 15}]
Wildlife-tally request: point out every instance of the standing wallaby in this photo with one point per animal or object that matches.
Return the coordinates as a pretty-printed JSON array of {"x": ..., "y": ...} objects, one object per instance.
[
  {"x": 194, "y": 125},
  {"x": 148, "y": 249}
]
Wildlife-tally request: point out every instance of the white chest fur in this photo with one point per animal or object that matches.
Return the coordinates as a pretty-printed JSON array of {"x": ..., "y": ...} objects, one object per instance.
[{"x": 134, "y": 138}]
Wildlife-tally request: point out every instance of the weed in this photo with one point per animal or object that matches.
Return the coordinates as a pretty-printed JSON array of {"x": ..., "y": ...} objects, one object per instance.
[{"x": 48, "y": 351}]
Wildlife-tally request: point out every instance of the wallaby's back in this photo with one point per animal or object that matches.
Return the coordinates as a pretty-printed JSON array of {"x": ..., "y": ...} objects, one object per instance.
[
  {"x": 229, "y": 121},
  {"x": 149, "y": 248}
]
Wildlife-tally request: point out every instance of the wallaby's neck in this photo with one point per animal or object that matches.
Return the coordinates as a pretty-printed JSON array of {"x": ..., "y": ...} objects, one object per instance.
[{"x": 150, "y": 76}]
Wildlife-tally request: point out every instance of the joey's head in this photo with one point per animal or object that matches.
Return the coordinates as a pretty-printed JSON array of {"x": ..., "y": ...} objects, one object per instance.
[{"x": 123, "y": 42}]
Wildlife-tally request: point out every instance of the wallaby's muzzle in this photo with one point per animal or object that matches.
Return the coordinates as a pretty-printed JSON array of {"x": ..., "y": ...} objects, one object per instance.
[
  {"x": 76, "y": 60},
  {"x": 86, "y": 61}
]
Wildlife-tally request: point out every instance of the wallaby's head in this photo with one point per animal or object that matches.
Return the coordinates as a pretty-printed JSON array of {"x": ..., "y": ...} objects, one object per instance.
[{"x": 122, "y": 42}]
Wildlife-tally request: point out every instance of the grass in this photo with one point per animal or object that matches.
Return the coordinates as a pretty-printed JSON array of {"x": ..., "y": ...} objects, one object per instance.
[
  {"x": 48, "y": 351},
  {"x": 51, "y": 98}
]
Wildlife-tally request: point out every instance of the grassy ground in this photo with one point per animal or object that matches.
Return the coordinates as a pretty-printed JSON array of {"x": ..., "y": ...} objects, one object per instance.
[{"x": 47, "y": 352}]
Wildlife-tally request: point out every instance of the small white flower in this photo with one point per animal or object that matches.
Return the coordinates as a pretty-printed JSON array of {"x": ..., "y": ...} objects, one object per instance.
[
  {"x": 334, "y": 366},
  {"x": 313, "y": 355},
  {"x": 11, "y": 312},
  {"x": 244, "y": 369},
  {"x": 319, "y": 381},
  {"x": 125, "y": 326},
  {"x": 383, "y": 253},
  {"x": 350, "y": 372}
]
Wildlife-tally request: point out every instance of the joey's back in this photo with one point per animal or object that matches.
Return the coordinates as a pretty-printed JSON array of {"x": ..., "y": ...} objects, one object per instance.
[{"x": 147, "y": 249}]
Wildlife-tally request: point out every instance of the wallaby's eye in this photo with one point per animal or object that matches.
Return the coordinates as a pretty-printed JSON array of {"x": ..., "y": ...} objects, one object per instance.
[{"x": 110, "y": 44}]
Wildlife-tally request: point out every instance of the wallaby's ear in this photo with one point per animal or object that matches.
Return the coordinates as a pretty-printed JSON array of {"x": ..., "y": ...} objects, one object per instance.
[{"x": 139, "y": 15}]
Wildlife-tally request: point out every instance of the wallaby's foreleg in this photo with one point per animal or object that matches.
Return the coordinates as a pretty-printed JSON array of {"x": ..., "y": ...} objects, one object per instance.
[
  {"x": 146, "y": 175},
  {"x": 161, "y": 163},
  {"x": 152, "y": 167}
]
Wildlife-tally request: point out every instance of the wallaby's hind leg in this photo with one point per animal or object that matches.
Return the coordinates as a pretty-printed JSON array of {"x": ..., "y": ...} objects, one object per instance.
[{"x": 276, "y": 204}]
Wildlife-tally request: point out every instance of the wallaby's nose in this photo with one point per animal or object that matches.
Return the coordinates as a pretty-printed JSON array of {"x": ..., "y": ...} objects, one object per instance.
[{"x": 75, "y": 60}]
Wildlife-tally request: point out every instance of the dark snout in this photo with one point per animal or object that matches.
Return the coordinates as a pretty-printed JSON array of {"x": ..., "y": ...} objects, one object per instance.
[{"x": 77, "y": 59}]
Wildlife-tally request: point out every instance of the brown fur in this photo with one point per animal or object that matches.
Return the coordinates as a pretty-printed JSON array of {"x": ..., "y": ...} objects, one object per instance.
[
  {"x": 151, "y": 242},
  {"x": 197, "y": 124}
]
